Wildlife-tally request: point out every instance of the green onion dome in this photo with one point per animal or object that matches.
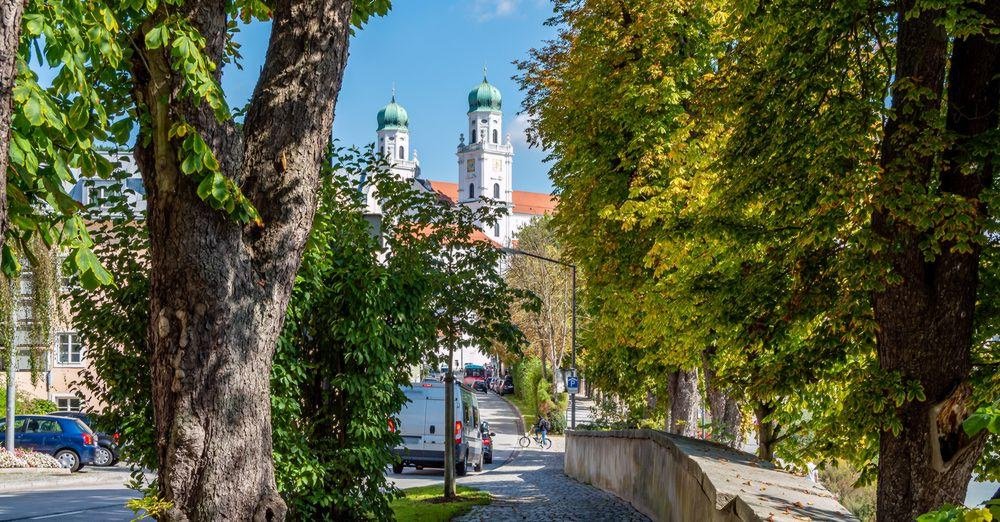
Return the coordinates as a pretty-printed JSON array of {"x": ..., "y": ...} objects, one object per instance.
[
  {"x": 484, "y": 97},
  {"x": 393, "y": 116}
]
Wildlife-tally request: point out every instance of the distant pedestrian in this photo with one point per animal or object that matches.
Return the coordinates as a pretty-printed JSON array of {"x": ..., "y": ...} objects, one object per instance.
[{"x": 542, "y": 427}]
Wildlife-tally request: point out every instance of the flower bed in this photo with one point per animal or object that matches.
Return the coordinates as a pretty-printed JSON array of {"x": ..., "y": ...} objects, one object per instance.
[{"x": 26, "y": 459}]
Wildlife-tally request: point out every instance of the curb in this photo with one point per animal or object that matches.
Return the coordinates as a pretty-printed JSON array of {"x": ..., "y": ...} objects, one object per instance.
[{"x": 50, "y": 481}]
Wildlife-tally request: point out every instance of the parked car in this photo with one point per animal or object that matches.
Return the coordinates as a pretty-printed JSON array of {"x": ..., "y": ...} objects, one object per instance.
[
  {"x": 481, "y": 386},
  {"x": 67, "y": 439},
  {"x": 422, "y": 426},
  {"x": 507, "y": 387},
  {"x": 484, "y": 428},
  {"x": 107, "y": 445}
]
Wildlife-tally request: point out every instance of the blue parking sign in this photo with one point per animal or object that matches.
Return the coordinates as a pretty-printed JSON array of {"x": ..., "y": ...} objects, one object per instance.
[{"x": 572, "y": 384}]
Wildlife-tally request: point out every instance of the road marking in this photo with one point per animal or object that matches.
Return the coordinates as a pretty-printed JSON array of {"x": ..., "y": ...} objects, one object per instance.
[
  {"x": 58, "y": 515},
  {"x": 66, "y": 513}
]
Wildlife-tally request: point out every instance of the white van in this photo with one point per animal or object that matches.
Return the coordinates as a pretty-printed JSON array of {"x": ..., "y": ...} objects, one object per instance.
[{"x": 422, "y": 426}]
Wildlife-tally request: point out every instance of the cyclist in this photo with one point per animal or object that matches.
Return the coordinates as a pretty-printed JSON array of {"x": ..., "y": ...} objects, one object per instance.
[{"x": 542, "y": 427}]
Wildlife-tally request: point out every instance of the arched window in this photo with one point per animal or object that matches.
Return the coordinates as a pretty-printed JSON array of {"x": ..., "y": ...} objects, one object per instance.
[
  {"x": 472, "y": 190},
  {"x": 494, "y": 135},
  {"x": 473, "y": 136},
  {"x": 496, "y": 190},
  {"x": 402, "y": 153},
  {"x": 381, "y": 150},
  {"x": 496, "y": 230}
]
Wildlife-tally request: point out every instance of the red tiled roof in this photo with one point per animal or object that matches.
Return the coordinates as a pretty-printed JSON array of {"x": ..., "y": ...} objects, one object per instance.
[{"x": 535, "y": 203}]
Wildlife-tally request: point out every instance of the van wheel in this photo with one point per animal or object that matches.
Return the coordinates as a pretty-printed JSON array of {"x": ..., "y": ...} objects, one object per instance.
[
  {"x": 461, "y": 468},
  {"x": 397, "y": 468},
  {"x": 479, "y": 465}
]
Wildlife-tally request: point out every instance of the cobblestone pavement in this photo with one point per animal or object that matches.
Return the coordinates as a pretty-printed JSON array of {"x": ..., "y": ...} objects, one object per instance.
[{"x": 533, "y": 487}]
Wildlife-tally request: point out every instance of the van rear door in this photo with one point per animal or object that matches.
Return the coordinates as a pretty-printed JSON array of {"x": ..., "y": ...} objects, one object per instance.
[
  {"x": 433, "y": 435},
  {"x": 411, "y": 418}
]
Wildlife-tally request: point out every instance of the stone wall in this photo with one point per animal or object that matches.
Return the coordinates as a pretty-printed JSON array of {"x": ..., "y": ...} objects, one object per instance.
[{"x": 678, "y": 479}]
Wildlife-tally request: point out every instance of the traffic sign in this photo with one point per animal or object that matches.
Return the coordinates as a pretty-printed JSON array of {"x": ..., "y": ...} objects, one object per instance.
[{"x": 572, "y": 384}]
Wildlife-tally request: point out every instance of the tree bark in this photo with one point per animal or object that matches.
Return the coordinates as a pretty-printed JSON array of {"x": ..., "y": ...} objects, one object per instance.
[
  {"x": 219, "y": 289},
  {"x": 725, "y": 410},
  {"x": 450, "y": 490},
  {"x": 767, "y": 432},
  {"x": 926, "y": 320},
  {"x": 10, "y": 39},
  {"x": 684, "y": 402}
]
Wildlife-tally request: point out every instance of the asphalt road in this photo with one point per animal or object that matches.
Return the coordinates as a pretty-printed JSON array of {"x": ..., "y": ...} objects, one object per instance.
[
  {"x": 92, "y": 494},
  {"x": 503, "y": 422}
]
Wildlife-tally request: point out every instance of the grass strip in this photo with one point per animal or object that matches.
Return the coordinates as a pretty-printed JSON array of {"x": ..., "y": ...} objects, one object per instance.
[{"x": 427, "y": 503}]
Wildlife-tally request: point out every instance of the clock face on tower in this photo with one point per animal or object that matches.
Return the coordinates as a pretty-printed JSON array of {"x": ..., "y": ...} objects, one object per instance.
[{"x": 497, "y": 165}]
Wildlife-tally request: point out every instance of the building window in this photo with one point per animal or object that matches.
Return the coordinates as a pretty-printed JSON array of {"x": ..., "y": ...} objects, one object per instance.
[
  {"x": 495, "y": 136},
  {"x": 402, "y": 153},
  {"x": 496, "y": 191},
  {"x": 102, "y": 194},
  {"x": 473, "y": 136},
  {"x": 472, "y": 190},
  {"x": 68, "y": 349},
  {"x": 381, "y": 150},
  {"x": 69, "y": 403},
  {"x": 496, "y": 230},
  {"x": 27, "y": 360}
]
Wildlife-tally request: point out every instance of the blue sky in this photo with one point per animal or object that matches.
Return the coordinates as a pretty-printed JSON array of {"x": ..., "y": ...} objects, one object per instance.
[{"x": 434, "y": 51}]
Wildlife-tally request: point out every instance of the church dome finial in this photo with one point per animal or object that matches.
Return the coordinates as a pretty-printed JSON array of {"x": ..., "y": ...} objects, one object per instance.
[
  {"x": 485, "y": 97},
  {"x": 393, "y": 115}
]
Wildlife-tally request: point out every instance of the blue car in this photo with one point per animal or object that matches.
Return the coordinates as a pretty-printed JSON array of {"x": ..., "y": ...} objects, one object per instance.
[{"x": 67, "y": 439}]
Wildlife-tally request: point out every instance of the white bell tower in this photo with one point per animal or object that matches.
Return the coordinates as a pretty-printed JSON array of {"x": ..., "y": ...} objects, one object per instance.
[{"x": 485, "y": 162}]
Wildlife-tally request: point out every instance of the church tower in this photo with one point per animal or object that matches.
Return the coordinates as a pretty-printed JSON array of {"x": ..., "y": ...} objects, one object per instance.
[
  {"x": 393, "y": 143},
  {"x": 394, "y": 140},
  {"x": 484, "y": 164}
]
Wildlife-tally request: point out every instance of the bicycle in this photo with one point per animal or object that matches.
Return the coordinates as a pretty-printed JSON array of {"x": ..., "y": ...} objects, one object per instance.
[{"x": 525, "y": 441}]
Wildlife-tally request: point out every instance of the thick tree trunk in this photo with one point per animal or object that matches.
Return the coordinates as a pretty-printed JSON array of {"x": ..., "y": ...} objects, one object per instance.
[
  {"x": 724, "y": 410},
  {"x": 219, "y": 289},
  {"x": 684, "y": 402},
  {"x": 10, "y": 38},
  {"x": 926, "y": 320},
  {"x": 767, "y": 432}
]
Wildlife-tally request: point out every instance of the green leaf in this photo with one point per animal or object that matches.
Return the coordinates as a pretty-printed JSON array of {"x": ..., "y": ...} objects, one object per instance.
[
  {"x": 157, "y": 37},
  {"x": 33, "y": 111},
  {"x": 9, "y": 264}
]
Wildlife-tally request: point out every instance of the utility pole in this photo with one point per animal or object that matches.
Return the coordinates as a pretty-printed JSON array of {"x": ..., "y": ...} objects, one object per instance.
[
  {"x": 572, "y": 396},
  {"x": 11, "y": 396}
]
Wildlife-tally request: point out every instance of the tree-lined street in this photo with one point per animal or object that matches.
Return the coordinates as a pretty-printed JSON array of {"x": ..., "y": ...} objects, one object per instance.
[{"x": 765, "y": 225}]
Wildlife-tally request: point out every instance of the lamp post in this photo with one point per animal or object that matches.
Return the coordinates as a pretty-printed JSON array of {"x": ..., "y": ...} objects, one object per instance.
[{"x": 572, "y": 267}]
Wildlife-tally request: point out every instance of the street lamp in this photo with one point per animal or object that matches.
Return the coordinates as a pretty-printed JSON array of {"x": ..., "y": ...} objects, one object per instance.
[{"x": 572, "y": 267}]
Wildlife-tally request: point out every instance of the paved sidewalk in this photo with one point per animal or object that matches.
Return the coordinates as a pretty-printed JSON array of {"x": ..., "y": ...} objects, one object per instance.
[{"x": 533, "y": 487}]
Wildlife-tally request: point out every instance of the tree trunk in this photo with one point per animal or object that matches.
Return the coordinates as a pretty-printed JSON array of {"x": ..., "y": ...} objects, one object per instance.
[
  {"x": 10, "y": 39},
  {"x": 926, "y": 320},
  {"x": 767, "y": 432},
  {"x": 219, "y": 289},
  {"x": 684, "y": 402},
  {"x": 450, "y": 491},
  {"x": 725, "y": 410}
]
